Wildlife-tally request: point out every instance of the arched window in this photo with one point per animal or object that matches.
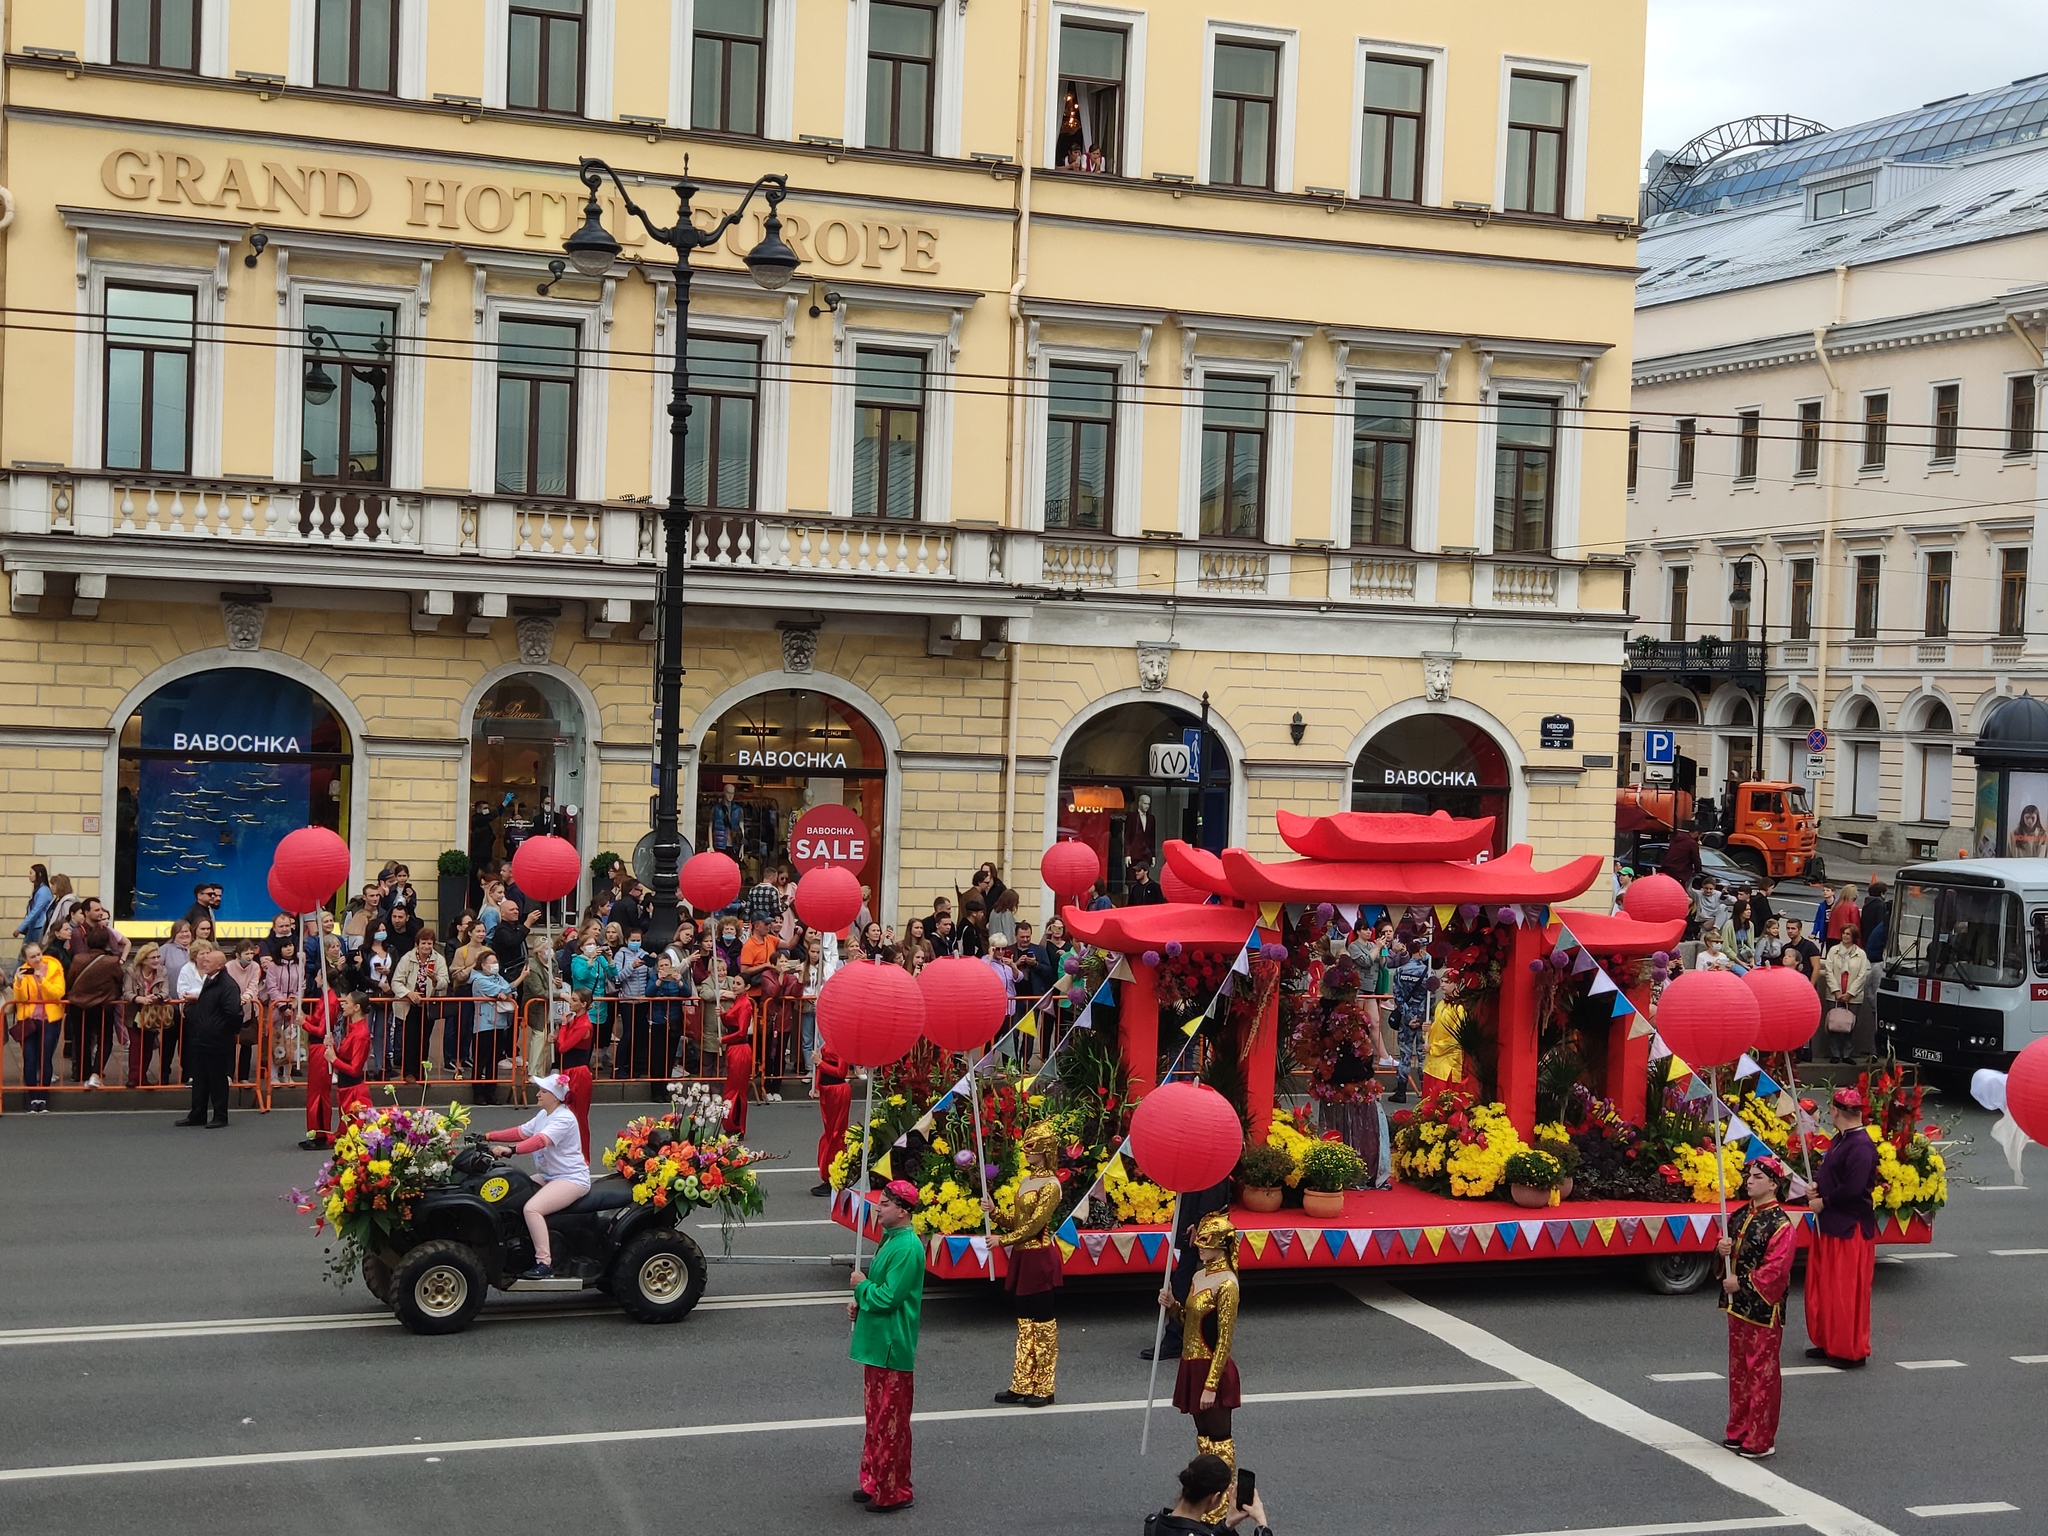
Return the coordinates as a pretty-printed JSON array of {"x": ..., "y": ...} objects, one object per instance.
[
  {"x": 1435, "y": 763},
  {"x": 766, "y": 761},
  {"x": 1128, "y": 783},
  {"x": 526, "y": 754}
]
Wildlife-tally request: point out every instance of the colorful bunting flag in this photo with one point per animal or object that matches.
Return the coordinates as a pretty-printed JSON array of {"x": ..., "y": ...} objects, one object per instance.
[
  {"x": 1152, "y": 1243},
  {"x": 1604, "y": 1225},
  {"x": 880, "y": 1166},
  {"x": 1485, "y": 1236},
  {"x": 1125, "y": 1242},
  {"x": 1658, "y": 1049},
  {"x": 1269, "y": 913},
  {"x": 1630, "y": 1226},
  {"x": 1285, "y": 1239},
  {"x": 1458, "y": 1236},
  {"x": 1095, "y": 1242},
  {"x": 1444, "y": 910},
  {"x": 1258, "y": 1238},
  {"x": 1748, "y": 1066},
  {"x": 1675, "y": 1225},
  {"x": 1436, "y": 1238},
  {"x": 1507, "y": 1232},
  {"x": 1582, "y": 1228},
  {"x": 1584, "y": 963},
  {"x": 1348, "y": 910},
  {"x": 1766, "y": 1085},
  {"x": 1555, "y": 1231},
  {"x": 1531, "y": 1230},
  {"x": 1700, "y": 1225},
  {"x": 1410, "y": 1236},
  {"x": 1121, "y": 971},
  {"x": 1385, "y": 1238},
  {"x": 1066, "y": 1251},
  {"x": 1360, "y": 1236},
  {"x": 957, "y": 1246},
  {"x": 1604, "y": 983},
  {"x": 1028, "y": 1025}
]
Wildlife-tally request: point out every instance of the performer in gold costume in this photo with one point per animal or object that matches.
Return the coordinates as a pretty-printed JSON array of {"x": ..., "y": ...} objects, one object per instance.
[
  {"x": 1034, "y": 1275},
  {"x": 1206, "y": 1390}
]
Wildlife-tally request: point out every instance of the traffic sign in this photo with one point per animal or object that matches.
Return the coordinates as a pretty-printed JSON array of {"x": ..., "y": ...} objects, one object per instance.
[
  {"x": 1816, "y": 764},
  {"x": 1816, "y": 740},
  {"x": 1660, "y": 746}
]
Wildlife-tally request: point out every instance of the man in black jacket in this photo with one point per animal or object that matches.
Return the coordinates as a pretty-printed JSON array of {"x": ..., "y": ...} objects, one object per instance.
[
  {"x": 212, "y": 1021},
  {"x": 508, "y": 943}
]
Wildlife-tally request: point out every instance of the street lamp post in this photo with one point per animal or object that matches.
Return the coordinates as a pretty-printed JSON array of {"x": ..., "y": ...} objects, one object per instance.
[{"x": 592, "y": 250}]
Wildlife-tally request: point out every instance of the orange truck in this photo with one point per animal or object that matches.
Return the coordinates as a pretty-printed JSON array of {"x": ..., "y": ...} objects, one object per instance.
[{"x": 1775, "y": 832}]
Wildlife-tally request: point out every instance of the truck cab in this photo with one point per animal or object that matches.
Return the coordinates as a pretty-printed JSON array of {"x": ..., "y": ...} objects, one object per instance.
[
  {"x": 1775, "y": 832},
  {"x": 1964, "y": 982}
]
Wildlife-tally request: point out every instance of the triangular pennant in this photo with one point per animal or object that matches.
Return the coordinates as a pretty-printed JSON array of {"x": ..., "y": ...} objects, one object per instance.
[
  {"x": 1738, "y": 1130},
  {"x": 1485, "y": 1236},
  {"x": 933, "y": 1247},
  {"x": 1101, "y": 995},
  {"x": 1349, "y": 911},
  {"x": 1458, "y": 1237},
  {"x": 957, "y": 1246},
  {"x": 1443, "y": 914},
  {"x": 1069, "y": 1229},
  {"x": 903, "y": 1140},
  {"x": 1333, "y": 1239},
  {"x": 1285, "y": 1239},
  {"x": 1121, "y": 971},
  {"x": 1630, "y": 1226},
  {"x": 980, "y": 1247},
  {"x": 1678, "y": 1063},
  {"x": 1811, "y": 1221},
  {"x": 1242, "y": 965},
  {"x": 1095, "y": 1242},
  {"x": 1757, "y": 1147},
  {"x": 1151, "y": 1242},
  {"x": 1675, "y": 1225},
  {"x": 1410, "y": 1236},
  {"x": 1566, "y": 939},
  {"x": 1294, "y": 909},
  {"x": 1639, "y": 1027},
  {"x": 1748, "y": 1066},
  {"x": 1531, "y": 1230},
  {"x": 1028, "y": 1025},
  {"x": 1258, "y": 1238},
  {"x": 1582, "y": 1228},
  {"x": 1658, "y": 1049},
  {"x": 1507, "y": 1232},
  {"x": 1435, "y": 1235},
  {"x": 1385, "y": 1238},
  {"x": 1125, "y": 1242},
  {"x": 1194, "y": 1025},
  {"x": 1584, "y": 963},
  {"x": 1622, "y": 1005},
  {"x": 1360, "y": 1236},
  {"x": 1114, "y": 1168},
  {"x": 1066, "y": 1249},
  {"x": 880, "y": 1166},
  {"x": 1604, "y": 1225},
  {"x": 1766, "y": 1085},
  {"x": 1555, "y": 1231},
  {"x": 1601, "y": 984},
  {"x": 1700, "y": 1225},
  {"x": 1309, "y": 1237},
  {"x": 1375, "y": 915}
]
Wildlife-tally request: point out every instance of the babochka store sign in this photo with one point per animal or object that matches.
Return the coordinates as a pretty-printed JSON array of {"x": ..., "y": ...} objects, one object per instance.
[{"x": 441, "y": 205}]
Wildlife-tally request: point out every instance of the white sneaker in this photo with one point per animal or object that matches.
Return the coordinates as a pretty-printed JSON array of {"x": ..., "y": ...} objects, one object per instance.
[{"x": 93, "y": 1081}]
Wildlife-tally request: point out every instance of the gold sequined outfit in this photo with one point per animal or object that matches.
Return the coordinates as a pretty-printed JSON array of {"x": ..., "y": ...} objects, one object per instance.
[
  {"x": 1209, "y": 1331},
  {"x": 1034, "y": 1272}
]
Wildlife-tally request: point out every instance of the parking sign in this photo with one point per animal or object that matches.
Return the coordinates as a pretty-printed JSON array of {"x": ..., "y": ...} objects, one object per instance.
[{"x": 1660, "y": 746}]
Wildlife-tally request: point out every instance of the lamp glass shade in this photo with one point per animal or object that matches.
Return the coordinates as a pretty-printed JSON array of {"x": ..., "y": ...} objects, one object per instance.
[
  {"x": 1185, "y": 1137},
  {"x": 591, "y": 250},
  {"x": 319, "y": 384},
  {"x": 772, "y": 263}
]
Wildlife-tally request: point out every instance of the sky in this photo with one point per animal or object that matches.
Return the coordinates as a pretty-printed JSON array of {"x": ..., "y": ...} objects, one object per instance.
[{"x": 1838, "y": 61}]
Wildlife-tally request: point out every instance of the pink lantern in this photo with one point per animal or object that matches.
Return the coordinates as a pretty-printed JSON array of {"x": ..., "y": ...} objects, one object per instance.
[
  {"x": 1708, "y": 1017},
  {"x": 1069, "y": 868},
  {"x": 1788, "y": 1009},
  {"x": 313, "y": 862},
  {"x": 1177, "y": 889},
  {"x": 2026, "y": 1091},
  {"x": 289, "y": 897},
  {"x": 708, "y": 881},
  {"x": 1185, "y": 1137},
  {"x": 870, "y": 1015},
  {"x": 546, "y": 868},
  {"x": 1655, "y": 899},
  {"x": 964, "y": 1002},
  {"x": 828, "y": 898}
]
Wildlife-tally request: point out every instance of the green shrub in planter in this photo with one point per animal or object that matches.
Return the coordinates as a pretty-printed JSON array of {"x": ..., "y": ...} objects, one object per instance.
[
  {"x": 453, "y": 863},
  {"x": 1264, "y": 1167},
  {"x": 1331, "y": 1167},
  {"x": 1537, "y": 1170}
]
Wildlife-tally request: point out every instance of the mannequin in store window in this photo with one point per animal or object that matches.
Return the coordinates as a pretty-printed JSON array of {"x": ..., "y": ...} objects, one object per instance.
[
  {"x": 1141, "y": 833},
  {"x": 728, "y": 821}
]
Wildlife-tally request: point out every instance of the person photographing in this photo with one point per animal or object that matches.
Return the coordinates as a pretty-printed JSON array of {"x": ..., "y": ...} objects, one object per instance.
[
  {"x": 556, "y": 1142},
  {"x": 1206, "y": 1482}
]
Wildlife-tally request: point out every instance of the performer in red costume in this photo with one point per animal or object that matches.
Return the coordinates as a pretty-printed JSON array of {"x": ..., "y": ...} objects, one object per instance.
[
  {"x": 573, "y": 1044},
  {"x": 738, "y": 1043},
  {"x": 319, "y": 1082},
  {"x": 835, "y": 1098},
  {"x": 351, "y": 1058},
  {"x": 1761, "y": 1243},
  {"x": 1843, "y": 1260}
]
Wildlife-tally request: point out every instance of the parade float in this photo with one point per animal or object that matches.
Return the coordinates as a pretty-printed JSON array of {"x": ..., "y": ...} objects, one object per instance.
[{"x": 1556, "y": 1120}]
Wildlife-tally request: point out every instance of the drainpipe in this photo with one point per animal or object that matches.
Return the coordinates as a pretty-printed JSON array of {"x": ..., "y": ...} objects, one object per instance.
[
  {"x": 1831, "y": 413},
  {"x": 1015, "y": 519}
]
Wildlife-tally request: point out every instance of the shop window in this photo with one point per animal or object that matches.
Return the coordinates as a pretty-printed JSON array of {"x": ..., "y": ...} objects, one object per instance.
[
  {"x": 765, "y": 762},
  {"x": 355, "y": 45},
  {"x": 157, "y": 34},
  {"x": 1869, "y": 570},
  {"x": 1090, "y": 133},
  {"x": 1244, "y": 110},
  {"x": 1538, "y": 109},
  {"x": 2012, "y": 593},
  {"x": 1948, "y": 410},
  {"x": 1435, "y": 763},
  {"x": 1524, "y": 475},
  {"x": 1808, "y": 463},
  {"x": 902, "y": 63},
  {"x": 1799, "y": 608},
  {"x": 1234, "y": 426},
  {"x": 1382, "y": 464},
  {"x": 526, "y": 754},
  {"x": 345, "y": 415},
  {"x": 213, "y": 770},
  {"x": 888, "y": 434},
  {"x": 725, "y": 413},
  {"x": 1877, "y": 414},
  {"x": 544, "y": 55},
  {"x": 150, "y": 335},
  {"x": 729, "y": 65},
  {"x": 1390, "y": 161},
  {"x": 1128, "y": 781},
  {"x": 1080, "y": 446}
]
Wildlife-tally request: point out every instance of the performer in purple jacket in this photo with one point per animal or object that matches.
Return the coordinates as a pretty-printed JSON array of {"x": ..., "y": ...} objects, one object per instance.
[{"x": 1843, "y": 1259}]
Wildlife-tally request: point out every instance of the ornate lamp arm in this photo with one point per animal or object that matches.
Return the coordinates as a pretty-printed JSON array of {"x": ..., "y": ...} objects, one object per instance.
[{"x": 684, "y": 233}]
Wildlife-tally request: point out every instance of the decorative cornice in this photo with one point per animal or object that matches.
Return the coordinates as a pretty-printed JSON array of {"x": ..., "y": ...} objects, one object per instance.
[{"x": 81, "y": 738}]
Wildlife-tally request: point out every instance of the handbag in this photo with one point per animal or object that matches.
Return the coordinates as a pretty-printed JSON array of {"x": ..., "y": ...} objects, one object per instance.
[{"x": 1840, "y": 1020}]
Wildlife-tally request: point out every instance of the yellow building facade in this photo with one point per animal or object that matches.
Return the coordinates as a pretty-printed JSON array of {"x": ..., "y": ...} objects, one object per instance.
[{"x": 1150, "y": 380}]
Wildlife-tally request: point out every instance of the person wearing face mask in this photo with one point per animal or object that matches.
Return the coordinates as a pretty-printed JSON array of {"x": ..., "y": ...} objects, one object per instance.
[
  {"x": 493, "y": 994},
  {"x": 592, "y": 972},
  {"x": 632, "y": 1057}
]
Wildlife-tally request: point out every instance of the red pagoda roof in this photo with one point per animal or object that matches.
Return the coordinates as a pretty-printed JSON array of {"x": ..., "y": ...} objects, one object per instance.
[
  {"x": 1133, "y": 930},
  {"x": 1512, "y": 877},
  {"x": 1383, "y": 837},
  {"x": 1620, "y": 934}
]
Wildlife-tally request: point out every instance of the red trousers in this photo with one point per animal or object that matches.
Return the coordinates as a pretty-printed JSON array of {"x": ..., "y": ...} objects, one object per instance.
[
  {"x": 739, "y": 1076},
  {"x": 834, "y": 1100},
  {"x": 1838, "y": 1275},
  {"x": 579, "y": 1102},
  {"x": 1754, "y": 1384},
  {"x": 319, "y": 1092},
  {"x": 885, "y": 1453},
  {"x": 356, "y": 1098}
]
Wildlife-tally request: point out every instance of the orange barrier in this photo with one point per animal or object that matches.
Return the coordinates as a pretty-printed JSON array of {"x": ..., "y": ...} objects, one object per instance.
[{"x": 127, "y": 1046}]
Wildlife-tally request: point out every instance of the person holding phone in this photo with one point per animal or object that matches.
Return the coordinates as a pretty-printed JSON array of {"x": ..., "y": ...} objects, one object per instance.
[{"x": 1203, "y": 1483}]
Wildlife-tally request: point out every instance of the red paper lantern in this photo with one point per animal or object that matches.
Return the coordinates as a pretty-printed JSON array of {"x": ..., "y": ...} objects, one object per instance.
[
  {"x": 2026, "y": 1092},
  {"x": 709, "y": 881},
  {"x": 313, "y": 862},
  {"x": 289, "y": 897},
  {"x": 1656, "y": 899},
  {"x": 869, "y": 1015},
  {"x": 1177, "y": 889},
  {"x": 964, "y": 1002},
  {"x": 1708, "y": 1017},
  {"x": 1185, "y": 1137},
  {"x": 1788, "y": 1009},
  {"x": 546, "y": 868},
  {"x": 1069, "y": 868},
  {"x": 828, "y": 899}
]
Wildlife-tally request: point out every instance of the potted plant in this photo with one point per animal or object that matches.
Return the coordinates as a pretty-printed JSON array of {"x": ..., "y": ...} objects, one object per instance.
[
  {"x": 1569, "y": 1160},
  {"x": 1533, "y": 1178},
  {"x": 1328, "y": 1168},
  {"x": 452, "y": 894},
  {"x": 1262, "y": 1173}
]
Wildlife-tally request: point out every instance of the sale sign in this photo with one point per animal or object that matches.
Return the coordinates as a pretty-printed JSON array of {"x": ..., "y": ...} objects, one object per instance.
[{"x": 828, "y": 834}]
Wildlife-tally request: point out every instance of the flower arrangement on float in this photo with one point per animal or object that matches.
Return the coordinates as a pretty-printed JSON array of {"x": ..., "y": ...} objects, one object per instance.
[
  {"x": 381, "y": 1162},
  {"x": 1451, "y": 1144},
  {"x": 685, "y": 1159},
  {"x": 1290, "y": 1133},
  {"x": 1912, "y": 1175},
  {"x": 1135, "y": 1200}
]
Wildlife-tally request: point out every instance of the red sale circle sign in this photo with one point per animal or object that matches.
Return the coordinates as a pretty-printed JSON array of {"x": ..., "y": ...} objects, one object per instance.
[{"x": 826, "y": 835}]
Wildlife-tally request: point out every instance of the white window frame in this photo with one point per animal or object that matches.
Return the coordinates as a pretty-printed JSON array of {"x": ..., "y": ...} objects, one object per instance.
[
  {"x": 1633, "y": 492},
  {"x": 1736, "y": 482},
  {"x": 1682, "y": 487},
  {"x": 939, "y": 349},
  {"x": 1133, "y": 25},
  {"x": 593, "y": 377},
  {"x": 1861, "y": 425},
  {"x": 1579, "y": 105},
  {"x": 412, "y": 47},
  {"x": 1951, "y": 466},
  {"x": 600, "y": 22},
  {"x": 2040, "y": 378},
  {"x": 208, "y": 284},
  {"x": 1289, "y": 42},
  {"x": 771, "y": 434},
  {"x": 1436, "y": 58},
  {"x": 1128, "y": 485},
  {"x": 950, "y": 60},
  {"x": 213, "y": 35},
  {"x": 1564, "y": 517},
  {"x": 407, "y": 410},
  {"x": 1797, "y": 476},
  {"x": 778, "y": 103},
  {"x": 1426, "y": 473},
  {"x": 1277, "y": 515}
]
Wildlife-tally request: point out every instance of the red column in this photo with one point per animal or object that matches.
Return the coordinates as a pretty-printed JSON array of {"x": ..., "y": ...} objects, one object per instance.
[
  {"x": 1259, "y": 1070},
  {"x": 1628, "y": 1061},
  {"x": 1515, "y": 1076},
  {"x": 1138, "y": 1028}
]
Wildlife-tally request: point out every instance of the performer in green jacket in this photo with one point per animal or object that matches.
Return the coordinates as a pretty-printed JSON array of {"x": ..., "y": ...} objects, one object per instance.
[{"x": 887, "y": 1302}]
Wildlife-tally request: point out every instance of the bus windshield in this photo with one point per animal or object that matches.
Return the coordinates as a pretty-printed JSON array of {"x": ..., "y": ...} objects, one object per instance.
[{"x": 1968, "y": 934}]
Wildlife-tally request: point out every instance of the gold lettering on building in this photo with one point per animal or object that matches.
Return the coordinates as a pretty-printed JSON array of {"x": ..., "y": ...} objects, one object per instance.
[{"x": 134, "y": 177}]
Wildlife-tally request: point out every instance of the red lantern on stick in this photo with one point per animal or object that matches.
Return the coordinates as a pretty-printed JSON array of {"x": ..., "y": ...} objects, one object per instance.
[
  {"x": 709, "y": 881},
  {"x": 1708, "y": 1017},
  {"x": 313, "y": 862},
  {"x": 1788, "y": 1009},
  {"x": 287, "y": 895},
  {"x": 1069, "y": 868},
  {"x": 1176, "y": 889},
  {"x": 2026, "y": 1092},
  {"x": 828, "y": 898},
  {"x": 1656, "y": 899},
  {"x": 964, "y": 1002},
  {"x": 1185, "y": 1137},
  {"x": 870, "y": 1015},
  {"x": 546, "y": 868}
]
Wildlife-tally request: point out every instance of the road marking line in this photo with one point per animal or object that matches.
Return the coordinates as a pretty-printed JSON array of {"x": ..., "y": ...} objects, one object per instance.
[
  {"x": 1687, "y": 1376},
  {"x": 686, "y": 1432},
  {"x": 1896, "y": 1258},
  {"x": 1810, "y": 1370},
  {"x": 1682, "y": 1527},
  {"x": 1936, "y": 1511},
  {"x": 712, "y": 1226},
  {"x": 2030, "y": 1359},
  {"x": 1930, "y": 1365},
  {"x": 2017, "y": 1253},
  {"x": 1747, "y": 1478},
  {"x": 1993, "y": 1188}
]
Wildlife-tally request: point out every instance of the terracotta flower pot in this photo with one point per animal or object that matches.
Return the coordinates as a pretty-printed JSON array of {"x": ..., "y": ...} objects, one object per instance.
[
  {"x": 1260, "y": 1198},
  {"x": 1326, "y": 1204},
  {"x": 1564, "y": 1190},
  {"x": 1529, "y": 1195}
]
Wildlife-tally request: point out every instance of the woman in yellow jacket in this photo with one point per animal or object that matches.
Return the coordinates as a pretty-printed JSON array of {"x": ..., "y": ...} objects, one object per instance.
[{"x": 37, "y": 1007}]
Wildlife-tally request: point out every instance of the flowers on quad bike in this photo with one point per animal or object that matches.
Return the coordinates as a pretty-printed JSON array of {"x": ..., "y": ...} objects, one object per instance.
[
  {"x": 683, "y": 1159},
  {"x": 382, "y": 1162}
]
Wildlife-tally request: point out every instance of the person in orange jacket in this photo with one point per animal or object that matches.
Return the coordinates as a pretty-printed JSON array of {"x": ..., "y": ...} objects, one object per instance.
[
  {"x": 37, "y": 1010},
  {"x": 737, "y": 1040},
  {"x": 574, "y": 1043}
]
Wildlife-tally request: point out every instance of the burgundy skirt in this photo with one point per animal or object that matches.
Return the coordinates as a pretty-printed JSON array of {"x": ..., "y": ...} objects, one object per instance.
[
  {"x": 1193, "y": 1377},
  {"x": 1034, "y": 1270}
]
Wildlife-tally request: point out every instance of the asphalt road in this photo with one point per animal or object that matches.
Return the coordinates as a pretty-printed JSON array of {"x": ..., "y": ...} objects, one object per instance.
[{"x": 167, "y": 1345}]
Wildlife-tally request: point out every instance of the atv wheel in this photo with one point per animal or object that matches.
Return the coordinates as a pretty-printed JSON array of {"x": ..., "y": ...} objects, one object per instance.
[
  {"x": 1678, "y": 1274},
  {"x": 377, "y": 1276},
  {"x": 659, "y": 1276},
  {"x": 438, "y": 1288}
]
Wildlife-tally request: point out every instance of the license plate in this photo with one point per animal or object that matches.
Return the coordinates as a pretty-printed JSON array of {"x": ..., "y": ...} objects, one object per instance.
[{"x": 1923, "y": 1053}]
